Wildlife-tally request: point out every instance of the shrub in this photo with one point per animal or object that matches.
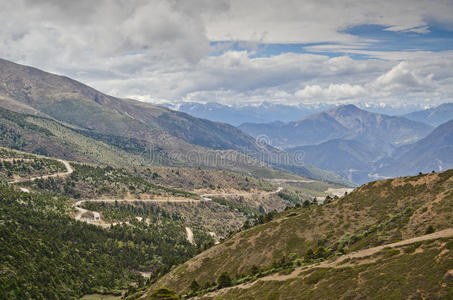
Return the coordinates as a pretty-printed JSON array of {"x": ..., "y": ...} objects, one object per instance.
[
  {"x": 163, "y": 294},
  {"x": 430, "y": 229},
  {"x": 194, "y": 286},
  {"x": 224, "y": 280},
  {"x": 309, "y": 255},
  {"x": 254, "y": 270}
]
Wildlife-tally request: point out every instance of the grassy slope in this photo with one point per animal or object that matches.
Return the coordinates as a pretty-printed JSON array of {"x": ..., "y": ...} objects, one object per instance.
[
  {"x": 417, "y": 271},
  {"x": 374, "y": 214}
]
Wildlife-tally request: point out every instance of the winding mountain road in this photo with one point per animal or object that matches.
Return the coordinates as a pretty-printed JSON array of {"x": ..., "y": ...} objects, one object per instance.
[
  {"x": 69, "y": 171},
  {"x": 96, "y": 216},
  {"x": 204, "y": 198}
]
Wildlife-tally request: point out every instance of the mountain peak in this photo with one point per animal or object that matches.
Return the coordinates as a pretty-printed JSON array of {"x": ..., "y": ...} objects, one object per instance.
[{"x": 346, "y": 108}]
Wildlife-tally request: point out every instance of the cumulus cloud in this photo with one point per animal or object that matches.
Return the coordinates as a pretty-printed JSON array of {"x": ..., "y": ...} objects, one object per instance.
[
  {"x": 159, "y": 50},
  {"x": 333, "y": 91},
  {"x": 403, "y": 77},
  {"x": 41, "y": 31}
]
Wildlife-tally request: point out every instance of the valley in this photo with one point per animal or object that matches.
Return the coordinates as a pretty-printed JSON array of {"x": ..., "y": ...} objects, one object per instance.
[
  {"x": 104, "y": 197},
  {"x": 116, "y": 200}
]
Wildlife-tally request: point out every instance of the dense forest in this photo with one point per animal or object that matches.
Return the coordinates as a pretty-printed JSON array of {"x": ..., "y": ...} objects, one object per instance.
[{"x": 45, "y": 254}]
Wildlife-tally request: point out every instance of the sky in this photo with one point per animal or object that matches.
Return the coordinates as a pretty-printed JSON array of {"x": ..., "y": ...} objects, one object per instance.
[{"x": 397, "y": 52}]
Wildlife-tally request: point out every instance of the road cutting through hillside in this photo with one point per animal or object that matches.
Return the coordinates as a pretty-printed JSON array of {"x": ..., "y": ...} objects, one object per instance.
[
  {"x": 69, "y": 171},
  {"x": 95, "y": 218},
  {"x": 337, "y": 263},
  {"x": 207, "y": 196},
  {"x": 204, "y": 198}
]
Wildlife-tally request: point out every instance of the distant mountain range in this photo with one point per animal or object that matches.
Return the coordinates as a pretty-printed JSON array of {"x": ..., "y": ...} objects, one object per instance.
[
  {"x": 433, "y": 116},
  {"x": 434, "y": 152},
  {"x": 236, "y": 115},
  {"x": 55, "y": 115},
  {"x": 342, "y": 122},
  {"x": 364, "y": 146},
  {"x": 267, "y": 112},
  {"x": 76, "y": 118}
]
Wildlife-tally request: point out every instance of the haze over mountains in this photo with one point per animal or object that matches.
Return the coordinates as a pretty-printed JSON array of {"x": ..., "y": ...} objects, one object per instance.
[
  {"x": 346, "y": 140},
  {"x": 434, "y": 152},
  {"x": 433, "y": 116},
  {"x": 267, "y": 112},
  {"x": 357, "y": 144},
  {"x": 345, "y": 122}
]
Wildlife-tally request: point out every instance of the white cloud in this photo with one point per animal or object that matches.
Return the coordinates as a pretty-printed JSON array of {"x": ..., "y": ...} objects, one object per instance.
[
  {"x": 160, "y": 49},
  {"x": 312, "y": 21},
  {"x": 403, "y": 77},
  {"x": 333, "y": 91}
]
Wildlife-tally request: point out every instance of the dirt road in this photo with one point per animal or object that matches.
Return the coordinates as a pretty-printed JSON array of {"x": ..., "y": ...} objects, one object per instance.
[
  {"x": 338, "y": 262},
  {"x": 207, "y": 196},
  {"x": 190, "y": 235},
  {"x": 69, "y": 171}
]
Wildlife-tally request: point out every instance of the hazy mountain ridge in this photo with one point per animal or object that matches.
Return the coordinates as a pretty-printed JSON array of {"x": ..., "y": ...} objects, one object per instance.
[
  {"x": 346, "y": 139},
  {"x": 433, "y": 116},
  {"x": 266, "y": 112},
  {"x": 344, "y": 122},
  {"x": 434, "y": 152},
  {"x": 349, "y": 158}
]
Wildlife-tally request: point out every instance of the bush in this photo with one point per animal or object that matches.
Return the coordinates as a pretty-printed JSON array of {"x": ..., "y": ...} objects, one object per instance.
[
  {"x": 309, "y": 255},
  {"x": 194, "y": 286},
  {"x": 430, "y": 229},
  {"x": 224, "y": 280},
  {"x": 254, "y": 270},
  {"x": 321, "y": 252},
  {"x": 163, "y": 294}
]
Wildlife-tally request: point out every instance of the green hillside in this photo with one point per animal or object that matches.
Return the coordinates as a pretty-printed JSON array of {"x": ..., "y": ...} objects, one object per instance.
[{"x": 375, "y": 214}]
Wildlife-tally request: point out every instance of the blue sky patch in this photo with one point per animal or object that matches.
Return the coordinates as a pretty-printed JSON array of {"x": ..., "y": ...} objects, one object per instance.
[{"x": 371, "y": 37}]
